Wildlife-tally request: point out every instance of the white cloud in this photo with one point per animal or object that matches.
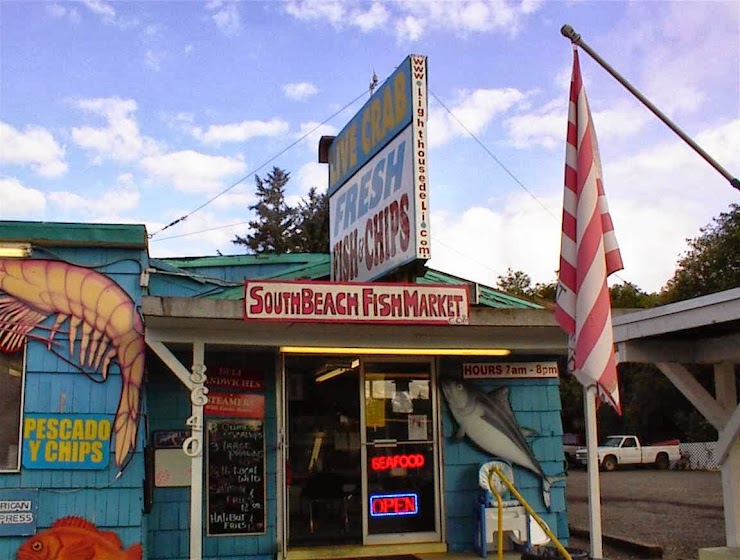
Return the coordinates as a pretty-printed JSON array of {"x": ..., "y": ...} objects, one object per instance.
[
  {"x": 317, "y": 10},
  {"x": 225, "y": 15},
  {"x": 240, "y": 132},
  {"x": 35, "y": 147},
  {"x": 474, "y": 109},
  {"x": 102, "y": 9},
  {"x": 299, "y": 90},
  {"x": 376, "y": 16},
  {"x": 410, "y": 19},
  {"x": 120, "y": 139},
  {"x": 201, "y": 234},
  {"x": 238, "y": 198},
  {"x": 315, "y": 131},
  {"x": 515, "y": 236},
  {"x": 121, "y": 198},
  {"x": 658, "y": 198},
  {"x": 20, "y": 202},
  {"x": 410, "y": 28},
  {"x": 191, "y": 171},
  {"x": 546, "y": 127},
  {"x": 706, "y": 41},
  {"x": 312, "y": 174},
  {"x": 153, "y": 59},
  {"x": 63, "y": 12}
]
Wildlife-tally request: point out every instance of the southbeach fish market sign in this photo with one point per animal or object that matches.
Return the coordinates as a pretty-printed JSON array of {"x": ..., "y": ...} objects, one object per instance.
[
  {"x": 378, "y": 194},
  {"x": 359, "y": 303}
]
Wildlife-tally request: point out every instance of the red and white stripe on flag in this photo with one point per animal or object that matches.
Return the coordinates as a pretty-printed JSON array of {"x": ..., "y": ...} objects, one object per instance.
[{"x": 588, "y": 253}]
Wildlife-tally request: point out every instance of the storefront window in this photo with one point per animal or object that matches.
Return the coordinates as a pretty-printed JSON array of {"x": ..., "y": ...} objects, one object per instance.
[{"x": 11, "y": 382}]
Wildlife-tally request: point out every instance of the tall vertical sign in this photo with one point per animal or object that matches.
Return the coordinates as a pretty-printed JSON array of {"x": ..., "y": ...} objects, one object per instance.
[
  {"x": 419, "y": 134},
  {"x": 378, "y": 193}
]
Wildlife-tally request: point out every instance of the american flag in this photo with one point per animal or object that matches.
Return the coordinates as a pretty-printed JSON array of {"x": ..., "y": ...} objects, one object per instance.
[{"x": 588, "y": 254}]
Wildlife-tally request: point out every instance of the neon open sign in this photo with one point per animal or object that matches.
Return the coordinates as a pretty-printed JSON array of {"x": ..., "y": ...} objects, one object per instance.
[
  {"x": 391, "y": 505},
  {"x": 384, "y": 463}
]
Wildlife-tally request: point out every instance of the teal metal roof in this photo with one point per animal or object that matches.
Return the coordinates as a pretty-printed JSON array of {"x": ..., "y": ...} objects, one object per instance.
[
  {"x": 61, "y": 234},
  {"x": 241, "y": 260},
  {"x": 487, "y": 296},
  {"x": 320, "y": 269}
]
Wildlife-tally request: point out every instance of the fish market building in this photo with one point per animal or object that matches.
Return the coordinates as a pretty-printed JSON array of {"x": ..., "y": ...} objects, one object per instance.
[{"x": 172, "y": 410}]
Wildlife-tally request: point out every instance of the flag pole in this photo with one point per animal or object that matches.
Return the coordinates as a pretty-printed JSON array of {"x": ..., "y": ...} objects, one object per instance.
[
  {"x": 568, "y": 32},
  {"x": 592, "y": 468}
]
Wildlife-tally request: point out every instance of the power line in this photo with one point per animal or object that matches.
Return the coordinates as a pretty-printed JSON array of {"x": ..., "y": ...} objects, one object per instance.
[
  {"x": 252, "y": 171},
  {"x": 199, "y": 232},
  {"x": 493, "y": 157}
]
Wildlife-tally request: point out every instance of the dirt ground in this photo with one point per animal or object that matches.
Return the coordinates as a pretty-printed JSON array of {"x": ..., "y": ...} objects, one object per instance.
[{"x": 681, "y": 511}]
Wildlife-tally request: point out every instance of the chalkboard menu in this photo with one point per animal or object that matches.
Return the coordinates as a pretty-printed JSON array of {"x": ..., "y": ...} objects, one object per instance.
[{"x": 236, "y": 477}]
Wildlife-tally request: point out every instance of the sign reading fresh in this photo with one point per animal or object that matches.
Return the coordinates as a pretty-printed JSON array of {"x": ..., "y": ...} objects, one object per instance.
[
  {"x": 378, "y": 193},
  {"x": 66, "y": 441},
  {"x": 359, "y": 303}
]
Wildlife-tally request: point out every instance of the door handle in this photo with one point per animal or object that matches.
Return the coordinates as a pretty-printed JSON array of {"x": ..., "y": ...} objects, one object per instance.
[{"x": 385, "y": 443}]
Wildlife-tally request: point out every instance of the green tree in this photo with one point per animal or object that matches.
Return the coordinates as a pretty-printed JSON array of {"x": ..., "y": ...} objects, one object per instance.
[
  {"x": 273, "y": 229},
  {"x": 627, "y": 296},
  {"x": 712, "y": 262},
  {"x": 312, "y": 223},
  {"x": 516, "y": 283}
]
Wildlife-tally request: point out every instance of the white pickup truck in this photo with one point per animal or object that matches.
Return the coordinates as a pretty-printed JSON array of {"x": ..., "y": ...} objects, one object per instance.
[{"x": 626, "y": 450}]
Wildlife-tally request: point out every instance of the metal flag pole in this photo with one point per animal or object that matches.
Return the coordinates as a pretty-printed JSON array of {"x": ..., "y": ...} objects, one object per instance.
[
  {"x": 592, "y": 468},
  {"x": 568, "y": 32}
]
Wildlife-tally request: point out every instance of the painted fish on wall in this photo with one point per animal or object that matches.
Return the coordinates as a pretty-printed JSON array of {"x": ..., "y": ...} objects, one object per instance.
[
  {"x": 75, "y": 538},
  {"x": 488, "y": 420},
  {"x": 105, "y": 316}
]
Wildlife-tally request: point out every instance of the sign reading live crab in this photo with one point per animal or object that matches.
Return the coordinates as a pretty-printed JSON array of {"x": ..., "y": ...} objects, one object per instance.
[
  {"x": 356, "y": 303},
  {"x": 378, "y": 204}
]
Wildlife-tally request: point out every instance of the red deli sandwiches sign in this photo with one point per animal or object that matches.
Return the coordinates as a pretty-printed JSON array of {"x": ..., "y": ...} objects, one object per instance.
[{"x": 427, "y": 304}]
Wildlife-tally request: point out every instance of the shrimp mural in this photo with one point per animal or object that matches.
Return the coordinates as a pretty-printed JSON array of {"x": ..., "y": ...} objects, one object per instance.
[{"x": 110, "y": 327}]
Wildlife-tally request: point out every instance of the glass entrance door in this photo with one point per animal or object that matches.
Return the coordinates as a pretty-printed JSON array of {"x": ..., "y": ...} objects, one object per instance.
[
  {"x": 400, "y": 474},
  {"x": 322, "y": 450}
]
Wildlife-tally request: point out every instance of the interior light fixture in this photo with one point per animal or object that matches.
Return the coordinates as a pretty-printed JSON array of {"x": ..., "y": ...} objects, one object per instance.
[
  {"x": 15, "y": 250},
  {"x": 330, "y": 374},
  {"x": 396, "y": 351}
]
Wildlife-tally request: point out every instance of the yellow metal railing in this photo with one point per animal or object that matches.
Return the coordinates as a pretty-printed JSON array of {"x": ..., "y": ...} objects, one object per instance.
[{"x": 530, "y": 511}]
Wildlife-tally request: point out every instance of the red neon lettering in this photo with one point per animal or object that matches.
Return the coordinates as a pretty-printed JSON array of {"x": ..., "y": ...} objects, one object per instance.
[{"x": 411, "y": 461}]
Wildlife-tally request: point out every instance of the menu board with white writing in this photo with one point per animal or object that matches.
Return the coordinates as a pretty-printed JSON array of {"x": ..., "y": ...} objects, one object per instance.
[{"x": 236, "y": 477}]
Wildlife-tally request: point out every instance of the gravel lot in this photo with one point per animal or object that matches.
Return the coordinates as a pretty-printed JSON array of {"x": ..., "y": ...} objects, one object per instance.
[{"x": 681, "y": 511}]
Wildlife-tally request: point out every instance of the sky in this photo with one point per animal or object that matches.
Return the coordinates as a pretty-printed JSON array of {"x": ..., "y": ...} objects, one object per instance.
[{"x": 146, "y": 112}]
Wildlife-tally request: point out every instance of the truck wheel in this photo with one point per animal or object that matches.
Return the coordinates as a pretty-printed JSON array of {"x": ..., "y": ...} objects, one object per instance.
[
  {"x": 609, "y": 463},
  {"x": 661, "y": 461}
]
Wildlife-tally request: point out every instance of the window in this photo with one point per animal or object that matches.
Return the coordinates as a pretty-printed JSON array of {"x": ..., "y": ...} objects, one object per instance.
[{"x": 11, "y": 406}]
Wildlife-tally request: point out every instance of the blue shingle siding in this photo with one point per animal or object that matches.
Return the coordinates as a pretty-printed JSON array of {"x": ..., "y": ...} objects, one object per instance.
[
  {"x": 168, "y": 536},
  {"x": 53, "y": 384},
  {"x": 536, "y": 405}
]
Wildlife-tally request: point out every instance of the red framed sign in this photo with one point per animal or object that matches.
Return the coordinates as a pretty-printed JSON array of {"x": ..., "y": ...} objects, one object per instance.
[{"x": 321, "y": 302}]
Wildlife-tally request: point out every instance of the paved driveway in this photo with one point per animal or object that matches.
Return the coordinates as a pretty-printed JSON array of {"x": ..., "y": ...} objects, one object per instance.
[{"x": 681, "y": 511}]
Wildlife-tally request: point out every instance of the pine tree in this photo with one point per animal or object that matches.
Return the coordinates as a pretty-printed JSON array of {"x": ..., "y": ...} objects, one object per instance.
[
  {"x": 273, "y": 230},
  {"x": 312, "y": 223}
]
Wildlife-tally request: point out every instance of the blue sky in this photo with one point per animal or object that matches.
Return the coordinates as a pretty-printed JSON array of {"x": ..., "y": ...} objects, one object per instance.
[{"x": 141, "y": 112}]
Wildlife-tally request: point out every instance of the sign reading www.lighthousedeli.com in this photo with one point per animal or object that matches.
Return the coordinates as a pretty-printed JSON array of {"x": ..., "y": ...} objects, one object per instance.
[
  {"x": 379, "y": 204},
  {"x": 356, "y": 303}
]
